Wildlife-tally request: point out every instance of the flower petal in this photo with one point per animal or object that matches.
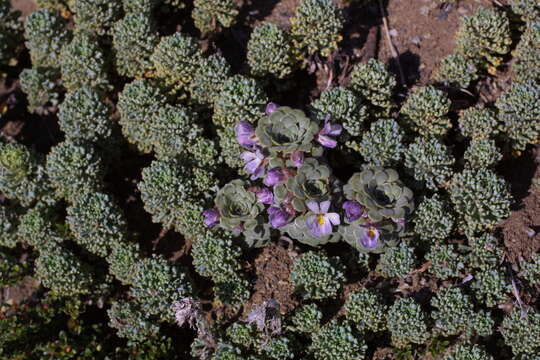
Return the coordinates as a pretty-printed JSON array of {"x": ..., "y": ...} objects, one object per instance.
[
  {"x": 313, "y": 206},
  {"x": 334, "y": 218},
  {"x": 326, "y": 141},
  {"x": 325, "y": 205}
]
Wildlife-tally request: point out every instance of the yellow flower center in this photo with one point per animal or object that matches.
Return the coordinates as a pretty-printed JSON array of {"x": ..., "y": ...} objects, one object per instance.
[
  {"x": 320, "y": 219},
  {"x": 371, "y": 233}
]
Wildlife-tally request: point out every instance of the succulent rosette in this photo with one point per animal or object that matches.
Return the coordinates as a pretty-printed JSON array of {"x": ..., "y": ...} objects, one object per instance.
[
  {"x": 286, "y": 130},
  {"x": 238, "y": 209},
  {"x": 382, "y": 194},
  {"x": 312, "y": 182},
  {"x": 236, "y": 205}
]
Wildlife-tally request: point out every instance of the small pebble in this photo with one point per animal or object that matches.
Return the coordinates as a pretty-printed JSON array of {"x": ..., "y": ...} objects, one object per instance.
[{"x": 393, "y": 32}]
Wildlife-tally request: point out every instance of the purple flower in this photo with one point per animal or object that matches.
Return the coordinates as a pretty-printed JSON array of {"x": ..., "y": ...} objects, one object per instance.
[
  {"x": 211, "y": 217},
  {"x": 270, "y": 108},
  {"x": 323, "y": 137},
  {"x": 275, "y": 176},
  {"x": 297, "y": 158},
  {"x": 255, "y": 163},
  {"x": 278, "y": 217},
  {"x": 265, "y": 196},
  {"x": 321, "y": 221},
  {"x": 370, "y": 237},
  {"x": 353, "y": 210},
  {"x": 245, "y": 134}
]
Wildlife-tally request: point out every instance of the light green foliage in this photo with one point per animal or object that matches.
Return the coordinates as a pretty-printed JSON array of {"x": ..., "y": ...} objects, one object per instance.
[
  {"x": 433, "y": 219},
  {"x": 241, "y": 99},
  {"x": 337, "y": 341},
  {"x": 445, "y": 261},
  {"x": 520, "y": 331},
  {"x": 491, "y": 287},
  {"x": 12, "y": 271},
  {"x": 407, "y": 323},
  {"x": 83, "y": 116},
  {"x": 468, "y": 352},
  {"x": 280, "y": 348},
  {"x": 397, "y": 261},
  {"x": 38, "y": 226},
  {"x": 83, "y": 63},
  {"x": 485, "y": 34},
  {"x": 96, "y": 223},
  {"x": 457, "y": 71},
  {"x": 530, "y": 271},
  {"x": 206, "y": 13},
  {"x": 9, "y": 221},
  {"x": 383, "y": 145},
  {"x": 527, "y": 53},
  {"x": 430, "y": 161},
  {"x": 482, "y": 154},
  {"x": 73, "y": 169},
  {"x": 96, "y": 16},
  {"x": 60, "y": 270},
  {"x": 243, "y": 334},
  {"x": 22, "y": 174},
  {"x": 41, "y": 88},
  {"x": 138, "y": 103},
  {"x": 45, "y": 33},
  {"x": 480, "y": 198},
  {"x": 307, "y": 319},
  {"x": 209, "y": 79},
  {"x": 270, "y": 52},
  {"x": 172, "y": 130},
  {"x": 317, "y": 276},
  {"x": 140, "y": 6},
  {"x": 344, "y": 107},
  {"x": 230, "y": 149},
  {"x": 215, "y": 256},
  {"x": 122, "y": 260},
  {"x": 131, "y": 321},
  {"x": 316, "y": 27},
  {"x": 172, "y": 194},
  {"x": 55, "y": 5},
  {"x": 374, "y": 83},
  {"x": 479, "y": 123},
  {"x": 426, "y": 110},
  {"x": 226, "y": 351},
  {"x": 176, "y": 59},
  {"x": 454, "y": 315},
  {"x": 365, "y": 308},
  {"x": 134, "y": 40},
  {"x": 205, "y": 153},
  {"x": 485, "y": 252},
  {"x": 233, "y": 291},
  {"x": 519, "y": 110},
  {"x": 528, "y": 9},
  {"x": 157, "y": 284}
]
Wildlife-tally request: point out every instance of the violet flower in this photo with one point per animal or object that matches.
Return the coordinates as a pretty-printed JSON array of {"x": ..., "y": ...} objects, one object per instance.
[
  {"x": 278, "y": 217},
  {"x": 275, "y": 176},
  {"x": 211, "y": 217},
  {"x": 245, "y": 134},
  {"x": 323, "y": 137},
  {"x": 255, "y": 163},
  {"x": 353, "y": 210},
  {"x": 370, "y": 237},
  {"x": 297, "y": 158},
  {"x": 321, "y": 221},
  {"x": 270, "y": 108},
  {"x": 265, "y": 196}
]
